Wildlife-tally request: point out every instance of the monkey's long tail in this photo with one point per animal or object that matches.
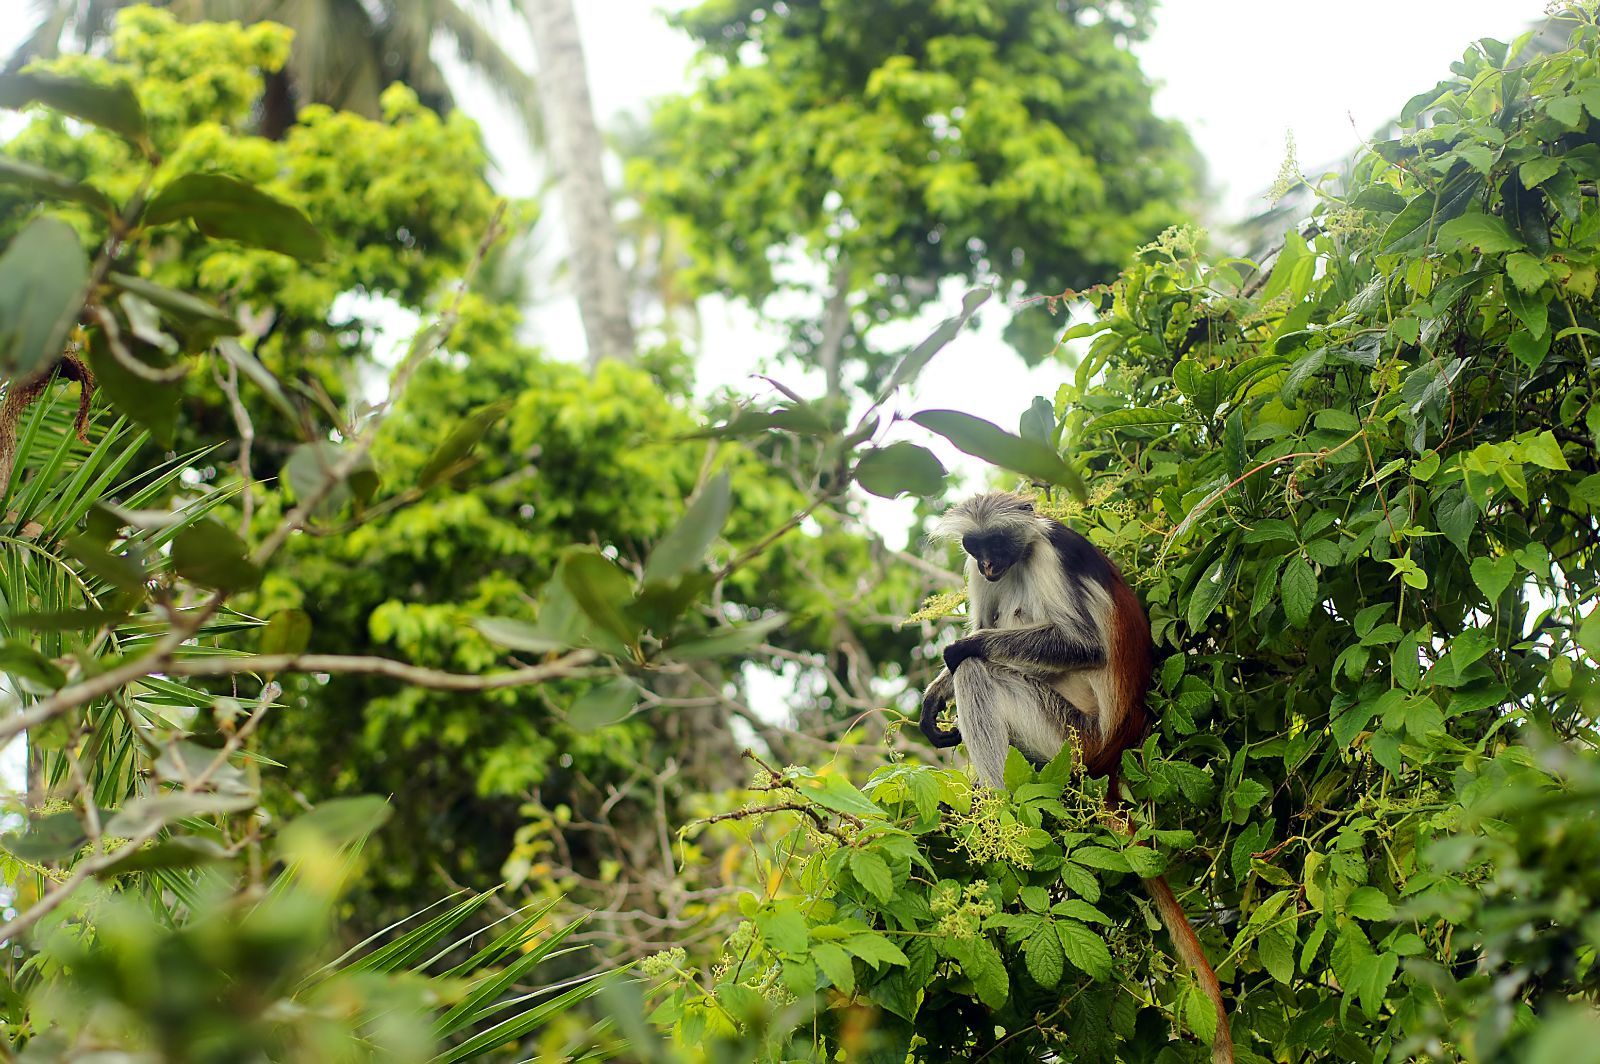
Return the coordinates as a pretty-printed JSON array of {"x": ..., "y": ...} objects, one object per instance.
[{"x": 1187, "y": 944}]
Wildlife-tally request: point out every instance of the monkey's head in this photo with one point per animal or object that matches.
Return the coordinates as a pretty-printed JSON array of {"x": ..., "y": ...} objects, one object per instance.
[{"x": 996, "y": 529}]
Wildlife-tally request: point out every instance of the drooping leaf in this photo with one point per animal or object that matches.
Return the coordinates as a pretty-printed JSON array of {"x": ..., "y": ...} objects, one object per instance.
[
  {"x": 50, "y": 183},
  {"x": 111, "y": 107},
  {"x": 43, "y": 275},
  {"x": 684, "y": 547},
  {"x": 919, "y": 356},
  {"x": 900, "y": 469},
  {"x": 984, "y": 439},
  {"x": 227, "y": 208}
]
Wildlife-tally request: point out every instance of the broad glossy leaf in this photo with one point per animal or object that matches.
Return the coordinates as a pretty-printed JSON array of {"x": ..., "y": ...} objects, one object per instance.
[
  {"x": 200, "y": 320},
  {"x": 1486, "y": 233},
  {"x": 602, "y": 706},
  {"x": 601, "y": 590},
  {"x": 48, "y": 838},
  {"x": 141, "y": 813},
  {"x": 684, "y": 547},
  {"x": 227, "y": 208},
  {"x": 212, "y": 555},
  {"x": 43, "y": 275},
  {"x": 111, "y": 107},
  {"x": 984, "y": 439},
  {"x": 519, "y": 635},
  {"x": 343, "y": 821},
  {"x": 900, "y": 469},
  {"x": 723, "y": 641},
  {"x": 52, "y": 184},
  {"x": 18, "y": 659}
]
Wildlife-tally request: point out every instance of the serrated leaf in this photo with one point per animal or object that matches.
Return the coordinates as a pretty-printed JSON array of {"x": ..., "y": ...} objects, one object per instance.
[
  {"x": 1044, "y": 956},
  {"x": 1276, "y": 947},
  {"x": 836, "y": 964},
  {"x": 1299, "y": 584},
  {"x": 1369, "y": 903},
  {"x": 783, "y": 928},
  {"x": 985, "y": 440},
  {"x": 1486, "y": 233},
  {"x": 1084, "y": 948},
  {"x": 900, "y": 469},
  {"x": 872, "y": 872},
  {"x": 875, "y": 949},
  {"x": 227, "y": 208}
]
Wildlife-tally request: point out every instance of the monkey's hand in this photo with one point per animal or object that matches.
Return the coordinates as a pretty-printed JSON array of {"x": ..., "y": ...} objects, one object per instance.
[
  {"x": 934, "y": 701},
  {"x": 962, "y": 649}
]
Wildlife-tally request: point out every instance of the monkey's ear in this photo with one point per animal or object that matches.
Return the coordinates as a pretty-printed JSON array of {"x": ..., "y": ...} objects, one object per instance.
[{"x": 1027, "y": 507}]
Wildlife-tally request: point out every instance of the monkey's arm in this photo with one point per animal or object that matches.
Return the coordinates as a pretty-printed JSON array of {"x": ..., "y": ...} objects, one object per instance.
[
  {"x": 1042, "y": 647},
  {"x": 934, "y": 701}
]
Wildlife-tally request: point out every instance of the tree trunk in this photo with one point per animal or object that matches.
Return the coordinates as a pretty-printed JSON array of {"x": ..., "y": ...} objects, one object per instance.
[
  {"x": 835, "y": 324},
  {"x": 575, "y": 150}
]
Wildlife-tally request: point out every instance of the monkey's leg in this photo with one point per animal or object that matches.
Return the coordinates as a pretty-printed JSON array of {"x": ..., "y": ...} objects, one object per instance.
[{"x": 998, "y": 708}]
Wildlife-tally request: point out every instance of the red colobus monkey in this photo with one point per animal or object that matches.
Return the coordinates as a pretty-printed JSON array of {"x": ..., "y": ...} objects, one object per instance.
[{"x": 1056, "y": 641}]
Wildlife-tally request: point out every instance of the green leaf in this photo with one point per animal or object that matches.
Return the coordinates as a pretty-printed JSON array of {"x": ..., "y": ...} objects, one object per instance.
[
  {"x": 983, "y": 964},
  {"x": 872, "y": 872},
  {"x": 1529, "y": 349},
  {"x": 720, "y": 642},
  {"x": 111, "y": 107},
  {"x": 1531, "y": 308},
  {"x": 50, "y": 183},
  {"x": 1493, "y": 576},
  {"x": 783, "y": 928},
  {"x": 288, "y": 632},
  {"x": 1086, "y": 950},
  {"x": 1543, "y": 450},
  {"x": 342, "y": 822},
  {"x": 212, "y": 555},
  {"x": 48, "y": 838},
  {"x": 43, "y": 277},
  {"x": 601, "y": 590},
  {"x": 310, "y": 465},
  {"x": 600, "y": 707},
  {"x": 138, "y": 814},
  {"x": 226, "y": 208},
  {"x": 799, "y": 418},
  {"x": 1526, "y": 272},
  {"x": 1038, "y": 422},
  {"x": 1486, "y": 233},
  {"x": 900, "y": 469},
  {"x": 21, "y": 660},
  {"x": 1369, "y": 903},
  {"x": 194, "y": 316},
  {"x": 836, "y": 964},
  {"x": 1213, "y": 586},
  {"x": 1276, "y": 947},
  {"x": 183, "y": 851},
  {"x": 686, "y": 544},
  {"x": 875, "y": 949},
  {"x": 947, "y": 330},
  {"x": 1199, "y": 1013},
  {"x": 1300, "y": 594},
  {"x": 1535, "y": 171},
  {"x": 985, "y": 440},
  {"x": 839, "y": 794},
  {"x": 1043, "y": 953},
  {"x": 519, "y": 635},
  {"x": 467, "y": 434}
]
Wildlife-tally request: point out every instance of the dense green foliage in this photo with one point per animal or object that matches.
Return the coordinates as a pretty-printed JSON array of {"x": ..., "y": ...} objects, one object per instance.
[
  {"x": 902, "y": 142},
  {"x": 1358, "y": 490},
  {"x": 243, "y": 588}
]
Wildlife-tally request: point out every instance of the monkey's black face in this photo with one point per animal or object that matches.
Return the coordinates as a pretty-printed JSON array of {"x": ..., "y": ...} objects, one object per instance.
[{"x": 995, "y": 552}]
